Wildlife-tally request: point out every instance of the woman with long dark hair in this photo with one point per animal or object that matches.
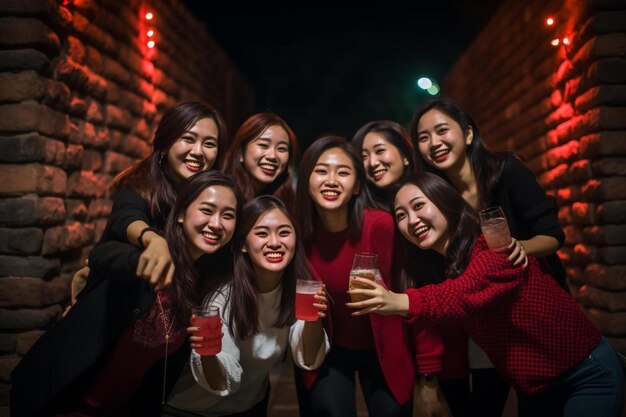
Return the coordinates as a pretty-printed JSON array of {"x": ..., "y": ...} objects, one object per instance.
[
  {"x": 387, "y": 156},
  {"x": 110, "y": 353},
  {"x": 257, "y": 310},
  {"x": 332, "y": 203},
  {"x": 190, "y": 137},
  {"x": 448, "y": 143},
  {"x": 261, "y": 156},
  {"x": 536, "y": 335}
]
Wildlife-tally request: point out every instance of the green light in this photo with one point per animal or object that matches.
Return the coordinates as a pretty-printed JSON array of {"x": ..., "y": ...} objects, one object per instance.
[
  {"x": 424, "y": 83},
  {"x": 433, "y": 90}
]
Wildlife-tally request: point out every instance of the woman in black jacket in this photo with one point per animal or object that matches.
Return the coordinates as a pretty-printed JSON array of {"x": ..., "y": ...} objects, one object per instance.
[{"x": 93, "y": 362}]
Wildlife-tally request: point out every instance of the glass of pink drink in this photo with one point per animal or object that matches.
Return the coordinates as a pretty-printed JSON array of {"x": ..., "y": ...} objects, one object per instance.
[
  {"x": 305, "y": 290},
  {"x": 495, "y": 228},
  {"x": 210, "y": 324}
]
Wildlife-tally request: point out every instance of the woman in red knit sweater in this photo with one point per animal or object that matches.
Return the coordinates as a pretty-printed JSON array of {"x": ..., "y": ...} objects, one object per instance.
[
  {"x": 533, "y": 332},
  {"x": 331, "y": 201}
]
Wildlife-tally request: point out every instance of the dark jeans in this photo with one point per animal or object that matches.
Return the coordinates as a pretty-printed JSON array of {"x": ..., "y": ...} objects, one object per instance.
[
  {"x": 487, "y": 397},
  {"x": 334, "y": 392},
  {"x": 594, "y": 387}
]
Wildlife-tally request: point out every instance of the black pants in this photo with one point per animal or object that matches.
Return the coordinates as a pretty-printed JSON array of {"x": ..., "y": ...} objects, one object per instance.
[
  {"x": 334, "y": 392},
  {"x": 487, "y": 397}
]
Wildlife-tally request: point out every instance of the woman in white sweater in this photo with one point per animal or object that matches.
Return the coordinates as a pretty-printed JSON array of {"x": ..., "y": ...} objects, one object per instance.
[{"x": 257, "y": 311}]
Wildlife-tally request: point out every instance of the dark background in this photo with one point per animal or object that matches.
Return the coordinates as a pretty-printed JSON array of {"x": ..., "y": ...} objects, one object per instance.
[{"x": 329, "y": 68}]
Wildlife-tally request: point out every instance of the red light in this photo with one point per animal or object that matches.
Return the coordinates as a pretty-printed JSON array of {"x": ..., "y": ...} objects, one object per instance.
[
  {"x": 554, "y": 42},
  {"x": 549, "y": 21},
  {"x": 149, "y": 16},
  {"x": 150, "y": 33},
  {"x": 150, "y": 44},
  {"x": 565, "y": 41}
]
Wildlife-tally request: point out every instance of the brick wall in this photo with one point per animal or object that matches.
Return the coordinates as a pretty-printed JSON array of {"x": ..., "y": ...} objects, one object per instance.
[
  {"x": 80, "y": 95},
  {"x": 564, "y": 109}
]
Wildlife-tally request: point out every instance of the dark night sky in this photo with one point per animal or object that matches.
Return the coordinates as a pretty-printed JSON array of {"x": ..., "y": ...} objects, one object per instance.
[{"x": 329, "y": 67}]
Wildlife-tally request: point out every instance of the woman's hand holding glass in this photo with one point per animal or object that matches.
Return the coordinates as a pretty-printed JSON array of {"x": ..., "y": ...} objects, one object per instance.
[
  {"x": 378, "y": 299},
  {"x": 518, "y": 253}
]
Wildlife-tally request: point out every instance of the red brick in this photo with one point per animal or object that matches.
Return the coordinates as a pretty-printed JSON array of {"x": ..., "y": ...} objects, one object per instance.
[
  {"x": 76, "y": 209},
  {"x": 93, "y": 34},
  {"x": 600, "y": 95},
  {"x": 568, "y": 195},
  {"x": 76, "y": 50},
  {"x": 99, "y": 225},
  {"x": 612, "y": 278},
  {"x": 612, "y": 212},
  {"x": 81, "y": 78},
  {"x": 26, "y": 241},
  {"x": 73, "y": 157},
  {"x": 54, "y": 152},
  {"x": 28, "y": 147},
  {"x": 25, "y": 59},
  {"x": 99, "y": 208},
  {"x": 112, "y": 70},
  {"x": 583, "y": 213},
  {"x": 566, "y": 215},
  {"x": 611, "y": 324},
  {"x": 20, "y": 179},
  {"x": 77, "y": 105},
  {"x": 26, "y": 7},
  {"x": 603, "y": 144},
  {"x": 94, "y": 59},
  {"x": 86, "y": 133},
  {"x": 33, "y": 292},
  {"x": 94, "y": 112},
  {"x": 606, "y": 167},
  {"x": 115, "y": 163},
  {"x": 21, "y": 86},
  {"x": 86, "y": 184},
  {"x": 610, "y": 234},
  {"x": 68, "y": 237},
  {"x": 30, "y": 116},
  {"x": 573, "y": 234},
  {"x": 118, "y": 118},
  {"x": 92, "y": 161},
  {"x": 30, "y": 210},
  {"x": 612, "y": 118},
  {"x": 26, "y": 32},
  {"x": 607, "y": 71},
  {"x": 612, "y": 188},
  {"x": 604, "y": 300},
  {"x": 609, "y": 45},
  {"x": 610, "y": 255},
  {"x": 28, "y": 319}
]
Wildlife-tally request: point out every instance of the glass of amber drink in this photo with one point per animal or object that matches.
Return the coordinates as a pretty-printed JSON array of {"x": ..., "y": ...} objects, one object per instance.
[{"x": 365, "y": 265}]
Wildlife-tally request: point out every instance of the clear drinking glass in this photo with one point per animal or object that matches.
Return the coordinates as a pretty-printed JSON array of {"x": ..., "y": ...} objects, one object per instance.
[
  {"x": 210, "y": 324},
  {"x": 495, "y": 228},
  {"x": 365, "y": 265},
  {"x": 305, "y": 292}
]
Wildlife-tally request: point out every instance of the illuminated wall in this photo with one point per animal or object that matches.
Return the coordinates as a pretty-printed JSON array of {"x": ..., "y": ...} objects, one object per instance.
[
  {"x": 80, "y": 94},
  {"x": 557, "y": 95}
]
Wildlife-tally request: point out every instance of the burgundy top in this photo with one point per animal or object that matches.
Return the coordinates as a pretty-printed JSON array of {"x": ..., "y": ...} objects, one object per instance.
[
  {"x": 530, "y": 328},
  {"x": 140, "y": 347},
  {"x": 331, "y": 256}
]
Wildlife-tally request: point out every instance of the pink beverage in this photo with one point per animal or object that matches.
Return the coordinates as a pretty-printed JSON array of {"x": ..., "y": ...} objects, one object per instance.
[
  {"x": 305, "y": 297},
  {"x": 496, "y": 233},
  {"x": 210, "y": 325}
]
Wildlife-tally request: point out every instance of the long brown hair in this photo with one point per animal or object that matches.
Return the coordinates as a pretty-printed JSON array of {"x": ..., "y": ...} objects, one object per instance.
[
  {"x": 425, "y": 266},
  {"x": 148, "y": 177},
  {"x": 251, "y": 129},
  {"x": 187, "y": 288},
  {"x": 243, "y": 296}
]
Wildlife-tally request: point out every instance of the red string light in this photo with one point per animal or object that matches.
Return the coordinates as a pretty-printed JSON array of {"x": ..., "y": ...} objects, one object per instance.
[
  {"x": 555, "y": 42},
  {"x": 550, "y": 21},
  {"x": 150, "y": 33}
]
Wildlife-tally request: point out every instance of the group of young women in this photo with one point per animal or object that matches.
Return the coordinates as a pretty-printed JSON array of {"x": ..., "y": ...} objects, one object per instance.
[{"x": 447, "y": 328}]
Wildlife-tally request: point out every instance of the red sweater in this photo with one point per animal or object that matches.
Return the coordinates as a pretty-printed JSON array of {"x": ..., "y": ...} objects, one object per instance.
[
  {"x": 331, "y": 256},
  {"x": 529, "y": 327}
]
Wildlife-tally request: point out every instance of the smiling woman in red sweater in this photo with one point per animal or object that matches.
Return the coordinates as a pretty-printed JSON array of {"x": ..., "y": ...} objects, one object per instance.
[
  {"x": 533, "y": 332},
  {"x": 331, "y": 201}
]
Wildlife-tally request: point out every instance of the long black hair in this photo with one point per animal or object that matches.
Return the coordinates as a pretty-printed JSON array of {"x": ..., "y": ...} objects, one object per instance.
[
  {"x": 395, "y": 134},
  {"x": 243, "y": 296},
  {"x": 149, "y": 177},
  {"x": 427, "y": 267},
  {"x": 306, "y": 212},
  {"x": 187, "y": 288},
  {"x": 486, "y": 165}
]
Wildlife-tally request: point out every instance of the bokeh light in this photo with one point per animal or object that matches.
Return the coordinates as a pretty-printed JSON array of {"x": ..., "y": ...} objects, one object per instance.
[{"x": 424, "y": 83}]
